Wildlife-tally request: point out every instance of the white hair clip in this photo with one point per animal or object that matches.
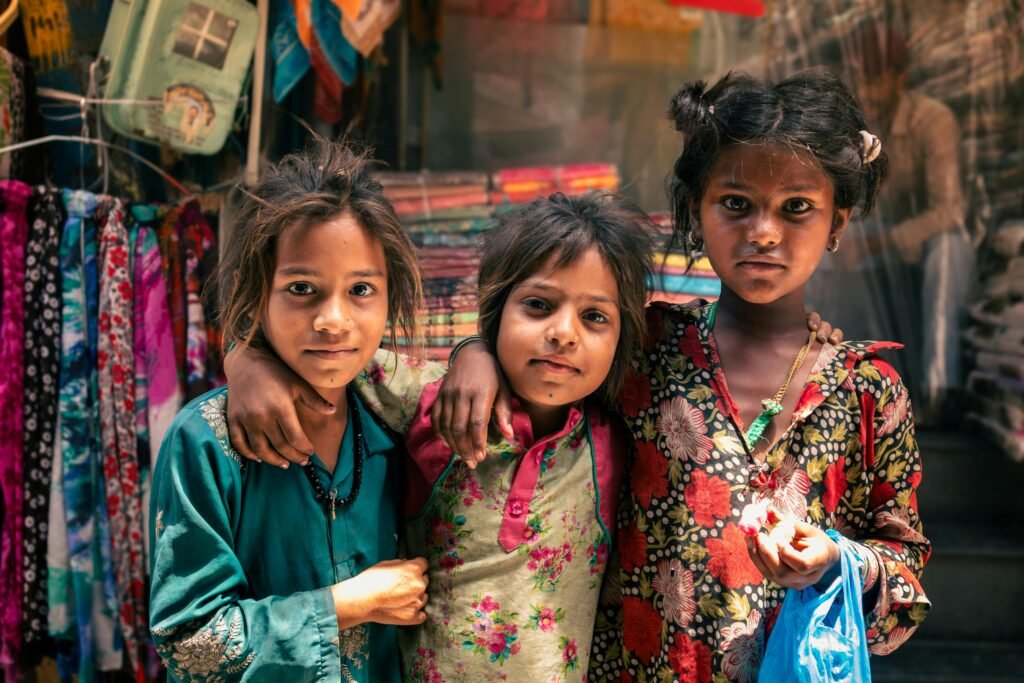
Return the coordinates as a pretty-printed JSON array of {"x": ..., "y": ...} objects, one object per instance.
[{"x": 870, "y": 147}]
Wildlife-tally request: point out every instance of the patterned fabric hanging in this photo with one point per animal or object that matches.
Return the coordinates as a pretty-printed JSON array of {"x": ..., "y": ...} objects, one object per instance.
[
  {"x": 117, "y": 426},
  {"x": 88, "y": 531},
  {"x": 42, "y": 301},
  {"x": 14, "y": 197},
  {"x": 108, "y": 652},
  {"x": 169, "y": 236},
  {"x": 200, "y": 258},
  {"x": 157, "y": 397}
]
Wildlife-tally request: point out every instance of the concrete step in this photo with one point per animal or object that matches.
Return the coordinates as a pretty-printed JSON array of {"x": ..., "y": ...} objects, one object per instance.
[
  {"x": 975, "y": 580},
  {"x": 920, "y": 660},
  {"x": 967, "y": 479}
]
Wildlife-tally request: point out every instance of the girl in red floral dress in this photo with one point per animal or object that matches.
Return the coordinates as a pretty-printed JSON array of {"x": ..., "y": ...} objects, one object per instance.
[{"x": 734, "y": 403}]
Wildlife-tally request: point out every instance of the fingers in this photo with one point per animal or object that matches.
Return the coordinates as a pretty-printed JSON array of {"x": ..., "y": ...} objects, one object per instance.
[
  {"x": 458, "y": 429},
  {"x": 768, "y": 551},
  {"x": 821, "y": 327},
  {"x": 419, "y": 564},
  {"x": 315, "y": 401},
  {"x": 824, "y": 329},
  {"x": 503, "y": 409},
  {"x": 239, "y": 441},
  {"x": 291, "y": 442},
  {"x": 261, "y": 448},
  {"x": 439, "y": 416},
  {"x": 813, "y": 321},
  {"x": 479, "y": 417}
]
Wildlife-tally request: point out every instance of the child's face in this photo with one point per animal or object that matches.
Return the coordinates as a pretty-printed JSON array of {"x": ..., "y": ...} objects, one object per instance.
[
  {"x": 559, "y": 330},
  {"x": 766, "y": 217},
  {"x": 328, "y": 304}
]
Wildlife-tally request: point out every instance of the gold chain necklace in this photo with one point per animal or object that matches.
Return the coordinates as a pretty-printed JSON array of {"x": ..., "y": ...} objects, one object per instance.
[{"x": 770, "y": 407}]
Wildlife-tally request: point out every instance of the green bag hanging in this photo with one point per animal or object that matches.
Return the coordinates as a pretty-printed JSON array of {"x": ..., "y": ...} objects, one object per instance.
[{"x": 189, "y": 58}]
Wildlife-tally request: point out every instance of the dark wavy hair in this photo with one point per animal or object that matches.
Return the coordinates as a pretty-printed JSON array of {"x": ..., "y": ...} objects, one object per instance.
[
  {"x": 526, "y": 238},
  {"x": 811, "y": 111},
  {"x": 325, "y": 181}
]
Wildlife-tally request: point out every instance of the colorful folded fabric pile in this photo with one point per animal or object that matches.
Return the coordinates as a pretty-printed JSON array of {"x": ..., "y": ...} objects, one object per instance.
[
  {"x": 521, "y": 185},
  {"x": 450, "y": 260},
  {"x": 427, "y": 196},
  {"x": 676, "y": 280},
  {"x": 996, "y": 337},
  {"x": 524, "y": 184}
]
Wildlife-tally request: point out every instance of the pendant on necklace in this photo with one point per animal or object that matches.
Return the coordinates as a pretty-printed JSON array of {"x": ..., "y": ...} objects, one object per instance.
[{"x": 771, "y": 406}]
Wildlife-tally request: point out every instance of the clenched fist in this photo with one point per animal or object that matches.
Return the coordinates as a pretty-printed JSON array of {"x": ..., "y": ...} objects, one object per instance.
[{"x": 389, "y": 592}]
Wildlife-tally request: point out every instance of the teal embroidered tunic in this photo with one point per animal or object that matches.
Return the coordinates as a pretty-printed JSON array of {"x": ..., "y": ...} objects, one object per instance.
[{"x": 244, "y": 558}]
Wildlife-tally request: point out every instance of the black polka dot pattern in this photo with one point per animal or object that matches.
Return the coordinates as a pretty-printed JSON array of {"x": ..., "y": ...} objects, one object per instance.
[{"x": 42, "y": 375}]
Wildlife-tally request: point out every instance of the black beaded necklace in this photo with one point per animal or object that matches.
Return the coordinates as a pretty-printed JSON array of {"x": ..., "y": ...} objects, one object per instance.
[{"x": 330, "y": 500}]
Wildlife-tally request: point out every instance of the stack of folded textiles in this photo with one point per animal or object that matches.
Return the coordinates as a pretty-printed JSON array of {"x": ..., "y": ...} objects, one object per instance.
[
  {"x": 524, "y": 184},
  {"x": 450, "y": 260},
  {"x": 676, "y": 280},
  {"x": 435, "y": 195},
  {"x": 995, "y": 335}
]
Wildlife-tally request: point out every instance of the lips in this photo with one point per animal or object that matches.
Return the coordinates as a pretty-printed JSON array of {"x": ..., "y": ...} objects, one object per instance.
[
  {"x": 558, "y": 366},
  {"x": 332, "y": 354},
  {"x": 760, "y": 265}
]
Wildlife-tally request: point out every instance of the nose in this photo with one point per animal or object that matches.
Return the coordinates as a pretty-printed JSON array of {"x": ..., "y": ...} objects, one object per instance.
[
  {"x": 333, "y": 316},
  {"x": 763, "y": 231},
  {"x": 563, "y": 329}
]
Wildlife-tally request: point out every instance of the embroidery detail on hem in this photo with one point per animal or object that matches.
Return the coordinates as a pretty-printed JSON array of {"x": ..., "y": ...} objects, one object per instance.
[
  {"x": 206, "y": 653},
  {"x": 352, "y": 644}
]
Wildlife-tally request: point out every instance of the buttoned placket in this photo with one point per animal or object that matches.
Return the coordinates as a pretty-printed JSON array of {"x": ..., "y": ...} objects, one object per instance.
[{"x": 524, "y": 482}]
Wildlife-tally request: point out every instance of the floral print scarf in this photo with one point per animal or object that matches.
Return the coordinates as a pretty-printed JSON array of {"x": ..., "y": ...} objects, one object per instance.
[{"x": 14, "y": 196}]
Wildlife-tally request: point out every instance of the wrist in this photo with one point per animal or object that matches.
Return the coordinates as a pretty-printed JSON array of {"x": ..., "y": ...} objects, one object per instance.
[
  {"x": 350, "y": 609},
  {"x": 468, "y": 341}
]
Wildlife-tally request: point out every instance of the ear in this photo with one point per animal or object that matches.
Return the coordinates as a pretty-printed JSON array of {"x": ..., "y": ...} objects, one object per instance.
[
  {"x": 840, "y": 222},
  {"x": 695, "y": 218}
]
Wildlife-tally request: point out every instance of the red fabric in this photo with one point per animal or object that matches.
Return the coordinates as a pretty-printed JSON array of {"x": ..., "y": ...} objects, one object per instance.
[{"x": 750, "y": 8}]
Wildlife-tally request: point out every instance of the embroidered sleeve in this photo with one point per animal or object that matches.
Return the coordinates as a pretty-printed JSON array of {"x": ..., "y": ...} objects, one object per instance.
[
  {"x": 391, "y": 386},
  {"x": 895, "y": 549},
  {"x": 203, "y": 628}
]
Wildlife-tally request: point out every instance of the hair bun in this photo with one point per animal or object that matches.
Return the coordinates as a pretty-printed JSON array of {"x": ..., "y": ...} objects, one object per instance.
[{"x": 689, "y": 109}]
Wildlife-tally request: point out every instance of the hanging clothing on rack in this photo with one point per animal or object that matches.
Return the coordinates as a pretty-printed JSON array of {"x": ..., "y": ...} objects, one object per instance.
[
  {"x": 200, "y": 259},
  {"x": 117, "y": 426},
  {"x": 88, "y": 533},
  {"x": 42, "y": 305},
  {"x": 14, "y": 197},
  {"x": 169, "y": 236},
  {"x": 157, "y": 395}
]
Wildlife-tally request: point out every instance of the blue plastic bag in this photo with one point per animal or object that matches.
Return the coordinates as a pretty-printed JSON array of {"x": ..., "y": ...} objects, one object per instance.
[{"x": 819, "y": 636}]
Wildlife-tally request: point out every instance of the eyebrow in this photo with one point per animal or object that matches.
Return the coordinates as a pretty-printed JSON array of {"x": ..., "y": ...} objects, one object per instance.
[
  {"x": 550, "y": 288},
  {"x": 299, "y": 270},
  {"x": 798, "y": 187}
]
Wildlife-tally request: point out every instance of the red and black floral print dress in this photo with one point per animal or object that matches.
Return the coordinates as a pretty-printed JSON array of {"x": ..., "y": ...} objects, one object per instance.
[{"x": 689, "y": 604}]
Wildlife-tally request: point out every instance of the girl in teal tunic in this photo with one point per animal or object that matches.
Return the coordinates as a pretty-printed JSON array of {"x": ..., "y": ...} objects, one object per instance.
[{"x": 290, "y": 574}]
